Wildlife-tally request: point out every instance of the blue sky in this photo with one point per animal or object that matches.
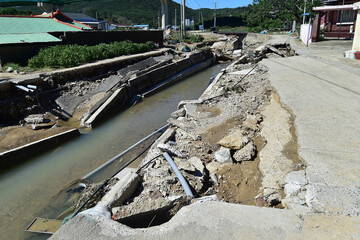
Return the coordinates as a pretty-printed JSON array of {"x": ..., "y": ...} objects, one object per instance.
[{"x": 195, "y": 4}]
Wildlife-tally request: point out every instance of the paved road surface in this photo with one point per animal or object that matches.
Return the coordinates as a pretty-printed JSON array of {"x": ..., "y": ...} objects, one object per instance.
[{"x": 326, "y": 103}]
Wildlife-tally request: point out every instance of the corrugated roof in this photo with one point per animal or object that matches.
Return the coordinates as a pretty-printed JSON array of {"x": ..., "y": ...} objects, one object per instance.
[
  {"x": 79, "y": 16},
  {"x": 7, "y": 3},
  {"x": 27, "y": 38},
  {"x": 10, "y": 25}
]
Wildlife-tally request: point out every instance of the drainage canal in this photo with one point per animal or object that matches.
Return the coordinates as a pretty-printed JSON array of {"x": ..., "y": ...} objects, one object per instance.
[{"x": 28, "y": 190}]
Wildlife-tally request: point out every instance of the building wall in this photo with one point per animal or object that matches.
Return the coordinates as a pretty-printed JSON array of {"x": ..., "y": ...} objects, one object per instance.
[
  {"x": 20, "y": 53},
  {"x": 356, "y": 43}
]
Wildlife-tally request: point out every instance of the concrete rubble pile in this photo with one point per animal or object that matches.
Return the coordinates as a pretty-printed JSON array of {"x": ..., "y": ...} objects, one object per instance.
[{"x": 216, "y": 132}]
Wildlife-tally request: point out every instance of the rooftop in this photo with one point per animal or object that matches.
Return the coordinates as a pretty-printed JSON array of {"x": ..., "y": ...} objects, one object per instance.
[{"x": 17, "y": 29}]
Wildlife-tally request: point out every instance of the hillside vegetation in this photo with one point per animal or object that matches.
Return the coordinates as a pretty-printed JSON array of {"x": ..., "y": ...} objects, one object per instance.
[{"x": 144, "y": 12}]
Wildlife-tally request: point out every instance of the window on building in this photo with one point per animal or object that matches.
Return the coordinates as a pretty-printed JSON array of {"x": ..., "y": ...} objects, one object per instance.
[{"x": 346, "y": 16}]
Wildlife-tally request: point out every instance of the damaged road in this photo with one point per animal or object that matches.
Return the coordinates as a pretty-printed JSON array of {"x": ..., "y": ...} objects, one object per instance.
[
  {"x": 213, "y": 138},
  {"x": 217, "y": 143}
]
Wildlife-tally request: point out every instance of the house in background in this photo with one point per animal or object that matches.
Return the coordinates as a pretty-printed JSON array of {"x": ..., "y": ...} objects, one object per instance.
[
  {"x": 21, "y": 37},
  {"x": 92, "y": 22},
  {"x": 337, "y": 18},
  {"x": 37, "y": 28}
]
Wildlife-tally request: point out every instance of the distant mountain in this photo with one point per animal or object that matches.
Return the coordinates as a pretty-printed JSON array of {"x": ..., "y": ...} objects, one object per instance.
[{"x": 144, "y": 11}]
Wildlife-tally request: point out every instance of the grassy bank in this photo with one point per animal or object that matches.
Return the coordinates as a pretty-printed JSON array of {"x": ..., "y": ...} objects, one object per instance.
[{"x": 63, "y": 56}]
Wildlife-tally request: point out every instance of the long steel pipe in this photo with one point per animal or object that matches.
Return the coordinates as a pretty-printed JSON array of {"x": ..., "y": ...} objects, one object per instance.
[
  {"x": 123, "y": 153},
  {"x": 178, "y": 174}
]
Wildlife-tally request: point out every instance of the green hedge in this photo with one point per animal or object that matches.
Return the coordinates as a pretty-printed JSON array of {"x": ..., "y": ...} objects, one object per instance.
[{"x": 73, "y": 55}]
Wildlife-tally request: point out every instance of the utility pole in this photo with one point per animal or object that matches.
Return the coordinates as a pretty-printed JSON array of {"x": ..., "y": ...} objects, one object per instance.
[
  {"x": 183, "y": 20},
  {"x": 158, "y": 20},
  {"x": 304, "y": 12},
  {"x": 181, "y": 15},
  {"x": 202, "y": 20},
  {"x": 215, "y": 15},
  {"x": 175, "y": 20}
]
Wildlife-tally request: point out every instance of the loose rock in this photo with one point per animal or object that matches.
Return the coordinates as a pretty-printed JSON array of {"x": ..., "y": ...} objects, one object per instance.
[
  {"x": 235, "y": 140},
  {"x": 223, "y": 155},
  {"x": 247, "y": 153}
]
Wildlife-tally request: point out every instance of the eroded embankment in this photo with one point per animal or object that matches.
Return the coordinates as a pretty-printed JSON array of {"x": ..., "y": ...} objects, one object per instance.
[{"x": 219, "y": 144}]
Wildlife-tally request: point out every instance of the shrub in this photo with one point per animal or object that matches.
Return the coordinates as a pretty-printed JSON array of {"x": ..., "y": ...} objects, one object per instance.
[{"x": 73, "y": 55}]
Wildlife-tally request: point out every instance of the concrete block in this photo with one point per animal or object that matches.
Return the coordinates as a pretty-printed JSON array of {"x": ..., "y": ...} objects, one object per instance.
[
  {"x": 123, "y": 189},
  {"x": 118, "y": 99}
]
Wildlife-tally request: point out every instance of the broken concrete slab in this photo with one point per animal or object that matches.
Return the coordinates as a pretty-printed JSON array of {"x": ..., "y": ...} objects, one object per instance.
[
  {"x": 170, "y": 150},
  {"x": 198, "y": 164},
  {"x": 247, "y": 153},
  {"x": 242, "y": 72},
  {"x": 35, "y": 119},
  {"x": 137, "y": 66},
  {"x": 184, "y": 165},
  {"x": 123, "y": 189},
  {"x": 106, "y": 85},
  {"x": 235, "y": 140},
  {"x": 178, "y": 113},
  {"x": 119, "y": 98},
  {"x": 251, "y": 122}
]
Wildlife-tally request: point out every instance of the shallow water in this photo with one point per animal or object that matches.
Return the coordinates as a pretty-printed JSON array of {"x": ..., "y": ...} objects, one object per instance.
[{"x": 26, "y": 190}]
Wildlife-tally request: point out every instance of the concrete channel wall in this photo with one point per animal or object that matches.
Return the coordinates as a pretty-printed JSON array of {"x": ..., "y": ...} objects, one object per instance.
[
  {"x": 144, "y": 85},
  {"x": 18, "y": 155},
  {"x": 101, "y": 68},
  {"x": 149, "y": 83}
]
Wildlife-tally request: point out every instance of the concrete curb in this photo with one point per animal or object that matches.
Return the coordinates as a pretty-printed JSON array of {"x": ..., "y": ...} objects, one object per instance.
[
  {"x": 17, "y": 155},
  {"x": 117, "y": 99}
]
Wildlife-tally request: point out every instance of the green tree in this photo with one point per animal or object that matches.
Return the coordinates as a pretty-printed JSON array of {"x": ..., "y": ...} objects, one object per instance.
[
  {"x": 13, "y": 11},
  {"x": 270, "y": 14}
]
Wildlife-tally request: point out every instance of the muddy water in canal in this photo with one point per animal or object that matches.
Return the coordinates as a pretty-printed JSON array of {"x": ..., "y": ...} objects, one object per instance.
[{"x": 27, "y": 190}]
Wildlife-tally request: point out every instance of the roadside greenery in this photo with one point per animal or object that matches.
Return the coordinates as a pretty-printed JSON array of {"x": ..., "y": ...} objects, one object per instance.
[
  {"x": 13, "y": 11},
  {"x": 73, "y": 55},
  {"x": 276, "y": 14}
]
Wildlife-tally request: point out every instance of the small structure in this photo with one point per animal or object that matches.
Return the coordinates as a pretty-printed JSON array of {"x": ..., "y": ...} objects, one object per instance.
[
  {"x": 356, "y": 43},
  {"x": 21, "y": 37},
  {"x": 142, "y": 26},
  {"x": 92, "y": 22},
  {"x": 337, "y": 20}
]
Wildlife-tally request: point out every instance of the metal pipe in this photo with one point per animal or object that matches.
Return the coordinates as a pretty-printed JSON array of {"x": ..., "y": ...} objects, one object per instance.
[
  {"x": 178, "y": 174},
  {"x": 123, "y": 153}
]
